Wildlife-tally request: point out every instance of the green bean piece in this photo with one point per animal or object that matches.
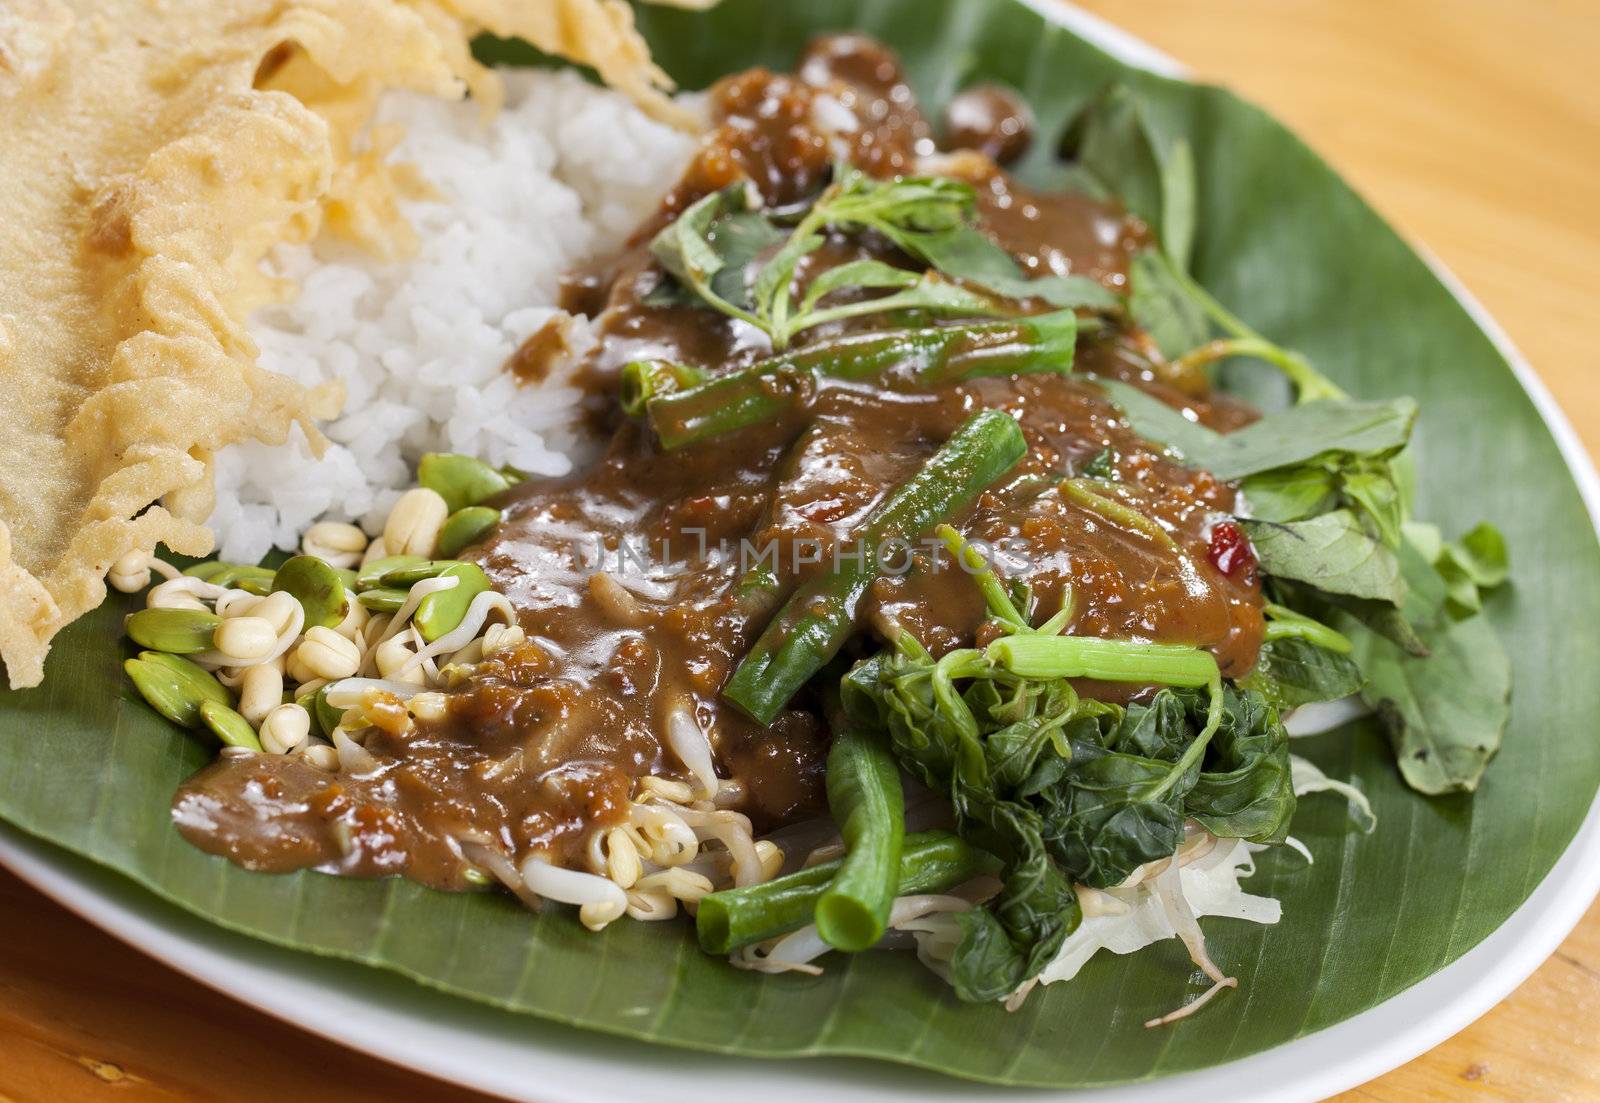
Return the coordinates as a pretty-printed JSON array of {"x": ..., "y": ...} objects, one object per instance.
[
  {"x": 384, "y": 599},
  {"x": 930, "y": 861},
  {"x": 466, "y": 527},
  {"x": 461, "y": 481},
  {"x": 820, "y": 615},
  {"x": 244, "y": 576},
  {"x": 177, "y": 631},
  {"x": 440, "y": 612},
  {"x": 228, "y": 726},
  {"x": 371, "y": 576},
  {"x": 206, "y": 569},
  {"x": 760, "y": 592},
  {"x": 865, "y": 799},
  {"x": 643, "y": 380},
  {"x": 413, "y": 573},
  {"x": 176, "y": 692},
  {"x": 914, "y": 357},
  {"x": 316, "y": 586}
]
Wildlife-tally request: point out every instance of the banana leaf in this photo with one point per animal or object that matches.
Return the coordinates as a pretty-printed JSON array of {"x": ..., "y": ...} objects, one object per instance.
[{"x": 86, "y": 765}]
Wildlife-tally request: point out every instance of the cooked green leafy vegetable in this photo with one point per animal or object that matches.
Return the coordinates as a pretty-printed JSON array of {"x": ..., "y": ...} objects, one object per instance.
[
  {"x": 712, "y": 248},
  {"x": 1315, "y": 433},
  {"x": 1476, "y": 562},
  {"x": 1291, "y": 672},
  {"x": 1325, "y": 483},
  {"x": 1061, "y": 787},
  {"x": 1117, "y": 153}
]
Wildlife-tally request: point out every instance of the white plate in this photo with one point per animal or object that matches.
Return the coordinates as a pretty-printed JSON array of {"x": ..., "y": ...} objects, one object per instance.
[{"x": 522, "y": 1058}]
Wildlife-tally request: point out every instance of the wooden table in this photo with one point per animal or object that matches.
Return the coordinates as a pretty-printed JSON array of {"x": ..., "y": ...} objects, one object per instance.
[{"x": 1473, "y": 125}]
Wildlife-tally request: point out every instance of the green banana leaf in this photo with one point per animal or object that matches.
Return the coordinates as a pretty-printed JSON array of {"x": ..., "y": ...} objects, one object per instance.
[{"x": 84, "y": 764}]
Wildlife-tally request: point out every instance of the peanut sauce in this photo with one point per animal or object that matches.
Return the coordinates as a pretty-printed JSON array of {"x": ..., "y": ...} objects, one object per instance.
[{"x": 625, "y": 577}]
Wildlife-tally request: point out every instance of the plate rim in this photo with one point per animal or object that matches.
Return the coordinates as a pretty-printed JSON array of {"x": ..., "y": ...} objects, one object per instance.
[{"x": 278, "y": 981}]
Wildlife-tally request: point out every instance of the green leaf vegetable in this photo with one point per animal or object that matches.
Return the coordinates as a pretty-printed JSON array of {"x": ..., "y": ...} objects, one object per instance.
[
  {"x": 1297, "y": 463},
  {"x": 1116, "y": 148},
  {"x": 1445, "y": 712},
  {"x": 1302, "y": 661},
  {"x": 1469, "y": 566},
  {"x": 1062, "y": 788},
  {"x": 711, "y": 250},
  {"x": 1331, "y": 552}
]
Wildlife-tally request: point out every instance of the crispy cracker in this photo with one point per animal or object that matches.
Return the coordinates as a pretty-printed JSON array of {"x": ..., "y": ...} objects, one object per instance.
[{"x": 151, "y": 152}]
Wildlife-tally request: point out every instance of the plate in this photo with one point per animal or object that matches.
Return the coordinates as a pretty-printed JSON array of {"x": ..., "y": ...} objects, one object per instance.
[{"x": 520, "y": 1057}]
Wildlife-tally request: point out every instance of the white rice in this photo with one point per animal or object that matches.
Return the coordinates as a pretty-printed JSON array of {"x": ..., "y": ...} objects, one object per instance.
[{"x": 562, "y": 174}]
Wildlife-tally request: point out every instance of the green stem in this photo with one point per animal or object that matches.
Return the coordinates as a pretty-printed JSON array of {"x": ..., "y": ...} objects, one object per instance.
[
  {"x": 923, "y": 357},
  {"x": 930, "y": 861},
  {"x": 994, "y": 592},
  {"x": 1040, "y": 656},
  {"x": 914, "y": 298},
  {"x": 820, "y": 616},
  {"x": 1118, "y": 513},
  {"x": 1310, "y": 384},
  {"x": 865, "y": 800},
  {"x": 1284, "y": 623}
]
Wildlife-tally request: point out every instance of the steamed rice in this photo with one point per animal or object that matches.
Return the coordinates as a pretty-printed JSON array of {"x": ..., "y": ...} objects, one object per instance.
[{"x": 562, "y": 174}]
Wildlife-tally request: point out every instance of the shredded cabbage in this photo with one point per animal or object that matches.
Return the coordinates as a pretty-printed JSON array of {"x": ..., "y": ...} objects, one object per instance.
[
  {"x": 1306, "y": 778},
  {"x": 1128, "y": 919}
]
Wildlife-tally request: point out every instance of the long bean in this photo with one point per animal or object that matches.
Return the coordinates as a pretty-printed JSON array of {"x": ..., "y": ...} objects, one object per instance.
[
  {"x": 930, "y": 861},
  {"x": 924, "y": 357},
  {"x": 644, "y": 380},
  {"x": 865, "y": 799},
  {"x": 820, "y": 615}
]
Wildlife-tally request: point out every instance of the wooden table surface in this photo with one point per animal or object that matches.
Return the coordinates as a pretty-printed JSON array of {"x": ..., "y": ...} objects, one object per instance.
[{"x": 1472, "y": 124}]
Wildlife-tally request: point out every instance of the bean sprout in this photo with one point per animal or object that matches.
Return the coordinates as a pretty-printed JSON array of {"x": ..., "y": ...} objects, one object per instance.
[
  {"x": 733, "y": 831},
  {"x": 182, "y": 584},
  {"x": 348, "y": 692},
  {"x": 463, "y": 634},
  {"x": 286, "y": 639},
  {"x": 599, "y": 901},
  {"x": 688, "y": 741},
  {"x": 353, "y": 757}
]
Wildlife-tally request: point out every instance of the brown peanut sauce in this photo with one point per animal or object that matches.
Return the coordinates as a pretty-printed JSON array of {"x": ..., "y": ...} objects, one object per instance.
[{"x": 625, "y": 576}]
